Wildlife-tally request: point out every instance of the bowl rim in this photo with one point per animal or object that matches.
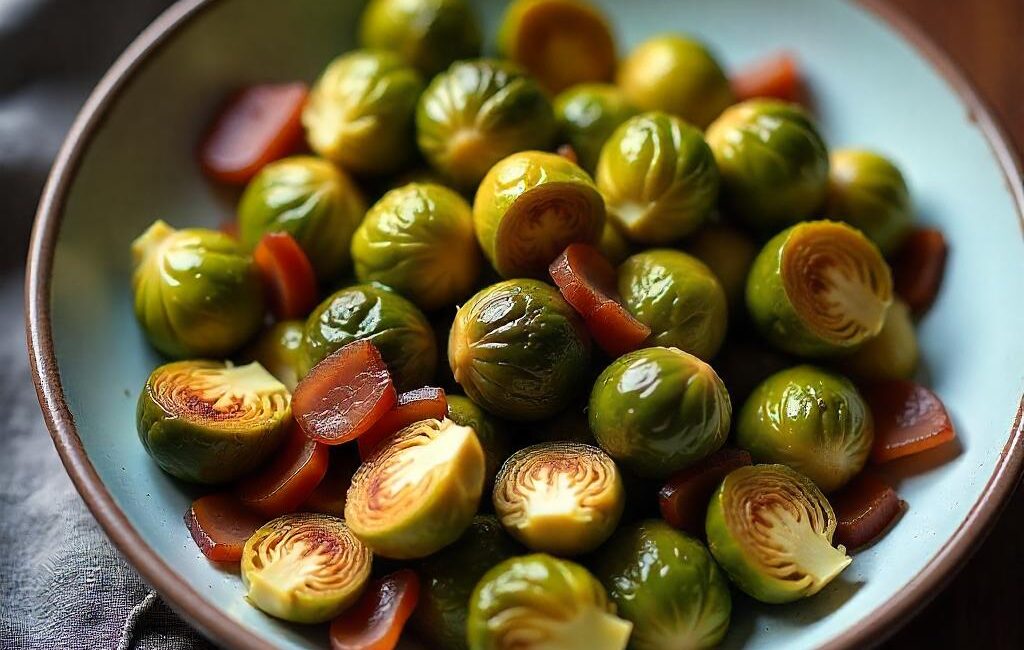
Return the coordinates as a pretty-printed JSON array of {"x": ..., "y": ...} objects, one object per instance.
[{"x": 871, "y": 629}]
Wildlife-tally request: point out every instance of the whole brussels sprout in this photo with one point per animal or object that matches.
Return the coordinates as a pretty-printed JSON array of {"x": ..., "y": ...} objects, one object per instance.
[
  {"x": 360, "y": 113},
  {"x": 205, "y": 422},
  {"x": 419, "y": 241},
  {"x": 677, "y": 75},
  {"x": 551, "y": 602},
  {"x": 667, "y": 585},
  {"x": 311, "y": 200},
  {"x": 494, "y": 437},
  {"x": 893, "y": 354},
  {"x": 658, "y": 177},
  {"x": 366, "y": 311},
  {"x": 587, "y": 116},
  {"x": 197, "y": 293},
  {"x": 427, "y": 34},
  {"x": 773, "y": 163},
  {"x": 519, "y": 350},
  {"x": 529, "y": 207},
  {"x": 478, "y": 112},
  {"x": 279, "y": 350},
  {"x": 868, "y": 192},
  {"x": 678, "y": 297},
  {"x": 729, "y": 253},
  {"x": 613, "y": 245},
  {"x": 659, "y": 410},
  {"x": 811, "y": 420}
]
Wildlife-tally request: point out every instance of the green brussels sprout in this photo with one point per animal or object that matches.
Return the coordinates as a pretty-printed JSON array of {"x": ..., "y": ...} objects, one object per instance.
[
  {"x": 205, "y": 422},
  {"x": 770, "y": 528},
  {"x": 478, "y": 112},
  {"x": 419, "y": 241},
  {"x": 676, "y": 75},
  {"x": 197, "y": 293},
  {"x": 819, "y": 288},
  {"x": 868, "y": 192},
  {"x": 493, "y": 436},
  {"x": 658, "y": 177},
  {"x": 745, "y": 361},
  {"x": 279, "y": 350},
  {"x": 427, "y": 34},
  {"x": 360, "y": 113},
  {"x": 519, "y": 350},
  {"x": 311, "y": 200},
  {"x": 667, "y": 585},
  {"x": 529, "y": 207},
  {"x": 659, "y": 410},
  {"x": 893, "y": 354},
  {"x": 366, "y": 311},
  {"x": 729, "y": 253},
  {"x": 447, "y": 580},
  {"x": 613, "y": 245},
  {"x": 587, "y": 116},
  {"x": 811, "y": 420},
  {"x": 678, "y": 297},
  {"x": 540, "y": 601},
  {"x": 773, "y": 163}
]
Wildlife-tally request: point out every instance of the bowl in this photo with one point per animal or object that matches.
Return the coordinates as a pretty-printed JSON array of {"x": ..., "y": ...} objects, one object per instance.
[{"x": 129, "y": 159}]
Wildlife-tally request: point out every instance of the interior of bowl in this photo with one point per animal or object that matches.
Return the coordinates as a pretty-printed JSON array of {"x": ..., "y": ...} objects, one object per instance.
[{"x": 871, "y": 88}]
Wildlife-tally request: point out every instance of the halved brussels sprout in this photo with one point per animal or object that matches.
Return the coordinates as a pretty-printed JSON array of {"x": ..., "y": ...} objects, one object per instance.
[
  {"x": 868, "y": 192},
  {"x": 893, "y": 354},
  {"x": 659, "y": 410},
  {"x": 279, "y": 350},
  {"x": 360, "y": 113},
  {"x": 205, "y": 422},
  {"x": 427, "y": 34},
  {"x": 197, "y": 293},
  {"x": 773, "y": 163},
  {"x": 539, "y": 601},
  {"x": 658, "y": 177},
  {"x": 678, "y": 297},
  {"x": 819, "y": 288},
  {"x": 530, "y": 207},
  {"x": 677, "y": 75},
  {"x": 811, "y": 420},
  {"x": 770, "y": 528},
  {"x": 304, "y": 568},
  {"x": 729, "y": 253},
  {"x": 564, "y": 498},
  {"x": 418, "y": 491},
  {"x": 519, "y": 350},
  {"x": 560, "y": 42},
  {"x": 311, "y": 200},
  {"x": 419, "y": 241},
  {"x": 478, "y": 112},
  {"x": 394, "y": 325},
  {"x": 493, "y": 437},
  {"x": 667, "y": 585},
  {"x": 587, "y": 116}
]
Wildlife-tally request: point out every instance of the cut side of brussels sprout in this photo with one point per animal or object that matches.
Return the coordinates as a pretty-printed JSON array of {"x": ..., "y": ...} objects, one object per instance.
[
  {"x": 564, "y": 498},
  {"x": 281, "y": 487},
  {"x": 377, "y": 620},
  {"x": 304, "y": 568},
  {"x": 220, "y": 525},
  {"x": 425, "y": 403},
  {"x": 418, "y": 492}
]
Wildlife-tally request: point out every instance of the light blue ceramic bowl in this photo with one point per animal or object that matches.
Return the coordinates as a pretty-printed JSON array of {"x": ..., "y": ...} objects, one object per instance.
[{"x": 130, "y": 159}]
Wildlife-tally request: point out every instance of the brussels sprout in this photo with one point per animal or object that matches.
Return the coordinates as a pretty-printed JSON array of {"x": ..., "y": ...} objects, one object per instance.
[
  {"x": 658, "y": 177},
  {"x": 667, "y": 585},
  {"x": 570, "y": 425},
  {"x": 395, "y": 326},
  {"x": 360, "y": 113},
  {"x": 773, "y": 163},
  {"x": 196, "y": 291},
  {"x": 519, "y": 350},
  {"x": 492, "y": 435},
  {"x": 678, "y": 297},
  {"x": 676, "y": 75},
  {"x": 819, "y": 288},
  {"x": 447, "y": 580},
  {"x": 659, "y": 410},
  {"x": 418, "y": 491},
  {"x": 729, "y": 253},
  {"x": 613, "y": 245},
  {"x": 205, "y": 422},
  {"x": 539, "y": 601},
  {"x": 419, "y": 241},
  {"x": 427, "y": 34},
  {"x": 868, "y": 192},
  {"x": 892, "y": 354},
  {"x": 477, "y": 113},
  {"x": 279, "y": 350},
  {"x": 311, "y": 200},
  {"x": 304, "y": 568},
  {"x": 770, "y": 528},
  {"x": 530, "y": 207},
  {"x": 587, "y": 116}
]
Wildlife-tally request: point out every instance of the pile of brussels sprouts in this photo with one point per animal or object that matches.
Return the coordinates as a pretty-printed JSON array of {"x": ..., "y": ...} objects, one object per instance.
[{"x": 430, "y": 207}]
